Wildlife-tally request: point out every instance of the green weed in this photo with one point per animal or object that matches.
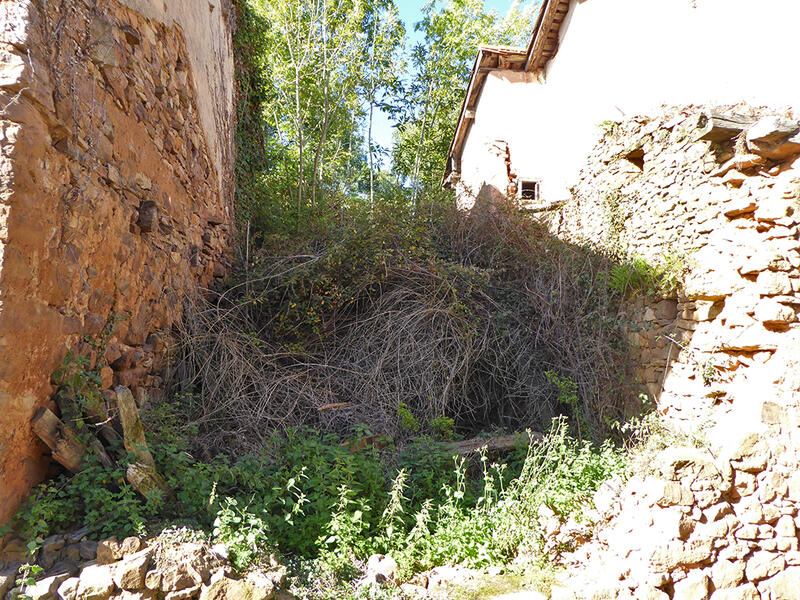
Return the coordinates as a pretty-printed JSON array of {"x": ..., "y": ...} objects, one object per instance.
[{"x": 638, "y": 276}]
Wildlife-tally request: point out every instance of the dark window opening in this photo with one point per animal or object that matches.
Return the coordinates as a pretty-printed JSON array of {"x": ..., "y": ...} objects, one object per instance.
[
  {"x": 529, "y": 190},
  {"x": 636, "y": 158}
]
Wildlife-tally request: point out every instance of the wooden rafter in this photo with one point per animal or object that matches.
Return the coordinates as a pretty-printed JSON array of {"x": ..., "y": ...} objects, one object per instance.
[{"x": 544, "y": 41}]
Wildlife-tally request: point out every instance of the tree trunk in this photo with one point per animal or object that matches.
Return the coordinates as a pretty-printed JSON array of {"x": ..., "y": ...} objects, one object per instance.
[
  {"x": 371, "y": 109},
  {"x": 418, "y": 157},
  {"x": 325, "y": 108}
]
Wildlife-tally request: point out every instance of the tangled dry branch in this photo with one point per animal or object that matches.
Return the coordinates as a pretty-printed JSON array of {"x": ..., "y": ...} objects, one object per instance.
[{"x": 471, "y": 336}]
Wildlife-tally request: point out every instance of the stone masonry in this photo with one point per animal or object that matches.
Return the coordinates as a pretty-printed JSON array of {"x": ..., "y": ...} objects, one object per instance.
[
  {"x": 721, "y": 357},
  {"x": 77, "y": 568},
  {"x": 669, "y": 186},
  {"x": 112, "y": 202}
]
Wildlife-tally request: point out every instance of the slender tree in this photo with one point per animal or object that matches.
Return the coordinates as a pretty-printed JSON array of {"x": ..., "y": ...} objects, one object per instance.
[{"x": 453, "y": 31}]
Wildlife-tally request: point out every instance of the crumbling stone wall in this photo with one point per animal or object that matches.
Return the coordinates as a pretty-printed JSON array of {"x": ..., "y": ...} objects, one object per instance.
[
  {"x": 721, "y": 357},
  {"x": 112, "y": 201},
  {"x": 686, "y": 186}
]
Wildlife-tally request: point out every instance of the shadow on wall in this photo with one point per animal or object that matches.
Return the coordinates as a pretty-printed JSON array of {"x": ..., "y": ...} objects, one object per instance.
[{"x": 615, "y": 342}]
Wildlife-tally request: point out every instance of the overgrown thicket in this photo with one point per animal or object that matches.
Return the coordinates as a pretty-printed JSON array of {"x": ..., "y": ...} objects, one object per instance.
[
  {"x": 482, "y": 318},
  {"x": 325, "y": 508},
  {"x": 369, "y": 323}
]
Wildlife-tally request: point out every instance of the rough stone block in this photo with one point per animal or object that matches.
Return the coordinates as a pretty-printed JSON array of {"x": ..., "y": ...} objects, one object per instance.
[
  {"x": 129, "y": 573},
  {"x": 96, "y": 583},
  {"x": 764, "y": 564},
  {"x": 774, "y": 137},
  {"x": 694, "y": 587},
  {"x": 727, "y": 574},
  {"x": 744, "y": 592},
  {"x": 773, "y": 284},
  {"x": 783, "y": 586}
]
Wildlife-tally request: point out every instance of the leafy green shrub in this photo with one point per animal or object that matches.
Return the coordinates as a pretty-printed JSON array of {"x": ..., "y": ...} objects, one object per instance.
[
  {"x": 98, "y": 497},
  {"x": 639, "y": 276},
  {"x": 243, "y": 533},
  {"x": 559, "y": 472},
  {"x": 442, "y": 427},
  {"x": 429, "y": 465},
  {"x": 313, "y": 497},
  {"x": 568, "y": 395},
  {"x": 408, "y": 422}
]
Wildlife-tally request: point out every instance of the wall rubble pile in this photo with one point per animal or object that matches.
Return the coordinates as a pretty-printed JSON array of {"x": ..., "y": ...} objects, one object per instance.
[{"x": 77, "y": 568}]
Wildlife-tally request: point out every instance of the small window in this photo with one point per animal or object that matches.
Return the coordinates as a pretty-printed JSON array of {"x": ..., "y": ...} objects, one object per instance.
[{"x": 528, "y": 189}]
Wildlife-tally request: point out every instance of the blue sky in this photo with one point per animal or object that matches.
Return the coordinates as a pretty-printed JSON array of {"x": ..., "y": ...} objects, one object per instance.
[{"x": 410, "y": 13}]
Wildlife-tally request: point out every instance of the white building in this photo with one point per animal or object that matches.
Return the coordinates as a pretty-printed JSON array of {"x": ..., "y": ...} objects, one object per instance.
[{"x": 531, "y": 116}]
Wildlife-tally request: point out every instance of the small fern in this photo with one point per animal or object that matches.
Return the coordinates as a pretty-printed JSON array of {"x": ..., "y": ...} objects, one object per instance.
[
  {"x": 632, "y": 277},
  {"x": 639, "y": 276}
]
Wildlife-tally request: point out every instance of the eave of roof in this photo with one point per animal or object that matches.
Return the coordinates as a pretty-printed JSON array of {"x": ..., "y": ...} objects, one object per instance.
[
  {"x": 544, "y": 40},
  {"x": 541, "y": 48},
  {"x": 489, "y": 58}
]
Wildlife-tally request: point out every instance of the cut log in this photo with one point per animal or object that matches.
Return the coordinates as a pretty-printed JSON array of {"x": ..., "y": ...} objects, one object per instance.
[
  {"x": 334, "y": 406},
  {"x": 101, "y": 453},
  {"x": 146, "y": 480},
  {"x": 132, "y": 429},
  {"x": 717, "y": 127},
  {"x": 495, "y": 446},
  {"x": 63, "y": 442},
  {"x": 141, "y": 473}
]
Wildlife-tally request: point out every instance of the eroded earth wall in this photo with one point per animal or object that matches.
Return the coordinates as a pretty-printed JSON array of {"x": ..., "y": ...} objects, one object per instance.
[{"x": 115, "y": 193}]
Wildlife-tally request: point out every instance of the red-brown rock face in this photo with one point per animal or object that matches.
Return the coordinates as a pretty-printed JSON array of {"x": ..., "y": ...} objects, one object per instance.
[{"x": 110, "y": 202}]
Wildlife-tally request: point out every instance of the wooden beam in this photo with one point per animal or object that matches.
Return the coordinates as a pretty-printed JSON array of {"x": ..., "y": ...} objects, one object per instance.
[
  {"x": 548, "y": 27},
  {"x": 720, "y": 127},
  {"x": 494, "y": 445},
  {"x": 543, "y": 207},
  {"x": 63, "y": 442}
]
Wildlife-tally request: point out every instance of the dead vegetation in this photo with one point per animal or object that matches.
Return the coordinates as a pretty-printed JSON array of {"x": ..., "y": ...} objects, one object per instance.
[{"x": 389, "y": 323}]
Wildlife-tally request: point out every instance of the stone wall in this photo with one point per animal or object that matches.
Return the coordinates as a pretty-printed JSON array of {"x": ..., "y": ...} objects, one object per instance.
[
  {"x": 113, "y": 201},
  {"x": 721, "y": 356},
  {"x": 682, "y": 188},
  {"x": 77, "y": 568}
]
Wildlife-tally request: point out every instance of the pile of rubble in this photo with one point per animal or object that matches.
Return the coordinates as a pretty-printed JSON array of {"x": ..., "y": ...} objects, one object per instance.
[
  {"x": 701, "y": 526},
  {"x": 76, "y": 568}
]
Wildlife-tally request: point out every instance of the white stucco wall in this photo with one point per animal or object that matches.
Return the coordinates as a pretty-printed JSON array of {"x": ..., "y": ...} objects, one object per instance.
[
  {"x": 208, "y": 40},
  {"x": 624, "y": 57}
]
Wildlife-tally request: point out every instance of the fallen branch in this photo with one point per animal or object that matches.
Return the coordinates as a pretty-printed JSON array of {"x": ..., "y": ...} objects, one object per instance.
[{"x": 495, "y": 446}]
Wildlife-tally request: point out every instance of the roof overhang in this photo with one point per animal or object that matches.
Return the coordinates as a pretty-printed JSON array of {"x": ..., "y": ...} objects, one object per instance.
[
  {"x": 489, "y": 58},
  {"x": 541, "y": 48},
  {"x": 544, "y": 40}
]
